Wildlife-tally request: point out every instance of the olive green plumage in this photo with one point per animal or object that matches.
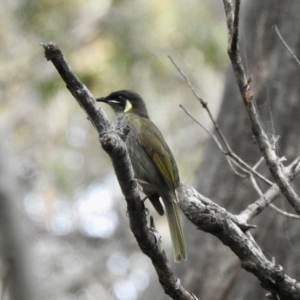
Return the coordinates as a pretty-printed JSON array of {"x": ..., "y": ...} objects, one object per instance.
[{"x": 153, "y": 163}]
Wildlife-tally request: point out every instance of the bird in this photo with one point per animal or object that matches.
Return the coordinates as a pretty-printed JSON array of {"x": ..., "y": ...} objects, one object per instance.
[{"x": 153, "y": 163}]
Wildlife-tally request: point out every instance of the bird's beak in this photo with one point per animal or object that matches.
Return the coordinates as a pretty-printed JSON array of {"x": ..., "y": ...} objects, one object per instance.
[{"x": 101, "y": 99}]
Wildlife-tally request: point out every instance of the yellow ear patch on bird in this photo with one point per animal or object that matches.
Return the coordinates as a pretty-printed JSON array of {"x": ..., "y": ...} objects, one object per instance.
[{"x": 128, "y": 106}]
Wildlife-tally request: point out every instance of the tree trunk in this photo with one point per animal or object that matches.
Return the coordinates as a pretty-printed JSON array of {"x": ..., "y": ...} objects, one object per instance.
[
  {"x": 17, "y": 264},
  {"x": 213, "y": 270}
]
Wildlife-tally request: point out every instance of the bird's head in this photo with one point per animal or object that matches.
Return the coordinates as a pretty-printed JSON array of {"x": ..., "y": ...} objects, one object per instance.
[{"x": 125, "y": 101}]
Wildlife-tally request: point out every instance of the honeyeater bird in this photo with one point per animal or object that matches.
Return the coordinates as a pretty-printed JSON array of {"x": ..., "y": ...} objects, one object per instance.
[{"x": 153, "y": 163}]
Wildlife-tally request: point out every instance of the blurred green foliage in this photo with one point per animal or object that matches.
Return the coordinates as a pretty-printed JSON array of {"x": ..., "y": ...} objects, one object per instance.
[{"x": 111, "y": 45}]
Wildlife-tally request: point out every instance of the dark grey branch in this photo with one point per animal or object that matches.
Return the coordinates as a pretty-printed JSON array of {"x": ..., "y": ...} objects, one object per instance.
[
  {"x": 210, "y": 217},
  {"x": 115, "y": 147}
]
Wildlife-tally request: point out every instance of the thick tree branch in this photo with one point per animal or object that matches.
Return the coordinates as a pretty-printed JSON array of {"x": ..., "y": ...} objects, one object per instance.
[
  {"x": 116, "y": 149},
  {"x": 263, "y": 142},
  {"x": 210, "y": 217}
]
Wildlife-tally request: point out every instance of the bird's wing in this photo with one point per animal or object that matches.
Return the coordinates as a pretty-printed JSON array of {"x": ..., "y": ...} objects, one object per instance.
[{"x": 153, "y": 143}]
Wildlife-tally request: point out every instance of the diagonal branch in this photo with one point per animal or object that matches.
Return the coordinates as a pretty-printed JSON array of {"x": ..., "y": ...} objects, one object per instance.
[
  {"x": 204, "y": 105},
  {"x": 210, "y": 217},
  {"x": 286, "y": 45},
  {"x": 220, "y": 139},
  {"x": 206, "y": 130},
  {"x": 116, "y": 148}
]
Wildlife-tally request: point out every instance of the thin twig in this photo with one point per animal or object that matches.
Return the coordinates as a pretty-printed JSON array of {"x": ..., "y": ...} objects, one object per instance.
[
  {"x": 250, "y": 169},
  {"x": 270, "y": 195},
  {"x": 255, "y": 185},
  {"x": 231, "y": 162},
  {"x": 234, "y": 158},
  {"x": 258, "y": 163},
  {"x": 284, "y": 213},
  {"x": 286, "y": 45},
  {"x": 227, "y": 152},
  {"x": 203, "y": 127},
  {"x": 203, "y": 103},
  {"x": 274, "y": 207}
]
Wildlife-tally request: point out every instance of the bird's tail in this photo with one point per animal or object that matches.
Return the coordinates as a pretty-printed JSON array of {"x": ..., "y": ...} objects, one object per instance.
[{"x": 178, "y": 241}]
